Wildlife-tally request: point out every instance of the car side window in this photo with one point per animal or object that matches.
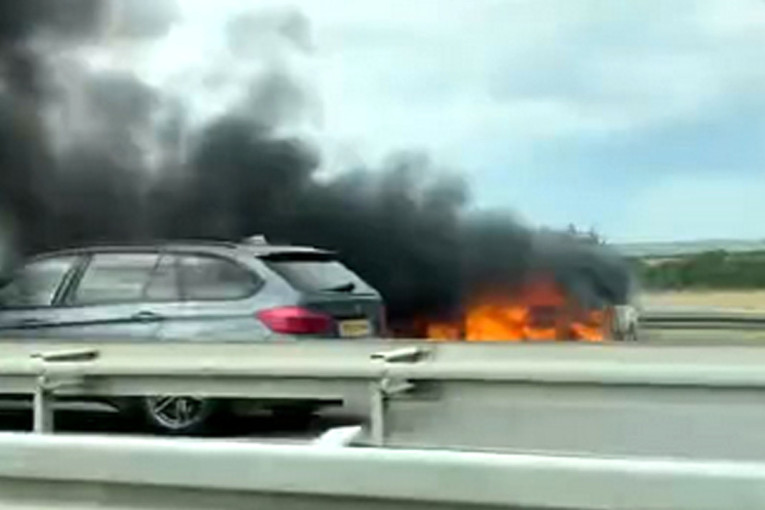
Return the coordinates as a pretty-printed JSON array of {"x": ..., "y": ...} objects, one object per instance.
[
  {"x": 36, "y": 284},
  {"x": 212, "y": 278},
  {"x": 115, "y": 278},
  {"x": 164, "y": 284}
]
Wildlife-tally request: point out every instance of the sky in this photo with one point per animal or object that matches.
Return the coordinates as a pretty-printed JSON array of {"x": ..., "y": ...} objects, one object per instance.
[{"x": 643, "y": 119}]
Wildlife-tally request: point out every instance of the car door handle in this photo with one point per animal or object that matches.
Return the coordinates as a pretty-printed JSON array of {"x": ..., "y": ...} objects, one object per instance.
[{"x": 147, "y": 316}]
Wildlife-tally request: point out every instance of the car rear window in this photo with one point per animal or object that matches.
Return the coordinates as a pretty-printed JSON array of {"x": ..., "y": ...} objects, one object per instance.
[{"x": 315, "y": 272}]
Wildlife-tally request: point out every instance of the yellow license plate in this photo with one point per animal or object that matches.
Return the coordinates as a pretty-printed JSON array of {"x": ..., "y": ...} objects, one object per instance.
[{"x": 355, "y": 328}]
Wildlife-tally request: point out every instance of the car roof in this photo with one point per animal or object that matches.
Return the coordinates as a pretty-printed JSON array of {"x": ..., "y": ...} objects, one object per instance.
[{"x": 195, "y": 246}]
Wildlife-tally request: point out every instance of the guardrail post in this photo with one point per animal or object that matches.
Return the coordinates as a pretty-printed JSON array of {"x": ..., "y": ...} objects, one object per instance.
[
  {"x": 42, "y": 407},
  {"x": 44, "y": 395},
  {"x": 383, "y": 388},
  {"x": 377, "y": 413}
]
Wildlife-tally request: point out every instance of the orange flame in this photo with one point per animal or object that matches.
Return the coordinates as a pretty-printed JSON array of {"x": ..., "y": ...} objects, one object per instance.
[{"x": 540, "y": 312}]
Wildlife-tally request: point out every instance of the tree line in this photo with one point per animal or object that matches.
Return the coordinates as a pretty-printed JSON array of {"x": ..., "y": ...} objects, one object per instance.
[{"x": 711, "y": 270}]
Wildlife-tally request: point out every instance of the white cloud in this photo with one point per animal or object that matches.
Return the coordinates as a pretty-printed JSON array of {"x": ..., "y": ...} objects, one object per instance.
[
  {"x": 401, "y": 72},
  {"x": 742, "y": 20},
  {"x": 388, "y": 72}
]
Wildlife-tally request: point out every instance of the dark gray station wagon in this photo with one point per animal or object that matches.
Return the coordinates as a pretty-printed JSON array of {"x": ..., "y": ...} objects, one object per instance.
[{"x": 209, "y": 291}]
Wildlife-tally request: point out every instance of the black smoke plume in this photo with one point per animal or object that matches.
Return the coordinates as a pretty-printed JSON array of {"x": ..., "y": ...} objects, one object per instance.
[{"x": 404, "y": 226}]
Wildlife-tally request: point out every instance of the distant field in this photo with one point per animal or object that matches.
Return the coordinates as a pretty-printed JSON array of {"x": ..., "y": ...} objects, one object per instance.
[{"x": 753, "y": 299}]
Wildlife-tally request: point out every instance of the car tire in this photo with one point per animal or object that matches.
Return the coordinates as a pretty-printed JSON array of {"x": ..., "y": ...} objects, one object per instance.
[{"x": 179, "y": 415}]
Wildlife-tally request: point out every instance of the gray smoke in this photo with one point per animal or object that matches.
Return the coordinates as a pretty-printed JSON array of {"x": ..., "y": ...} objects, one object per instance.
[{"x": 133, "y": 165}]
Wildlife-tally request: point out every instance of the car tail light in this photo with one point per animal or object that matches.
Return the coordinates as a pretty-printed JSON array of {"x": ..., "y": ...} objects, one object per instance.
[{"x": 294, "y": 320}]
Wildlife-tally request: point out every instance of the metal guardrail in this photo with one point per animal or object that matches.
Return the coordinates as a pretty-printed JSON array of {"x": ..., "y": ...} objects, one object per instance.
[
  {"x": 123, "y": 473},
  {"x": 692, "y": 318},
  {"x": 701, "y": 326},
  {"x": 236, "y": 369},
  {"x": 621, "y": 399},
  {"x": 75, "y": 371},
  {"x": 388, "y": 386},
  {"x": 44, "y": 394}
]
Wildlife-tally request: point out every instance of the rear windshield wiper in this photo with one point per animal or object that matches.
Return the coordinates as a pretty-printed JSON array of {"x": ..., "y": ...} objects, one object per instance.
[{"x": 345, "y": 287}]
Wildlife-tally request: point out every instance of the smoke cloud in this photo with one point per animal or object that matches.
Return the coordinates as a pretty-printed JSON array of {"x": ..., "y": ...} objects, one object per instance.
[{"x": 97, "y": 152}]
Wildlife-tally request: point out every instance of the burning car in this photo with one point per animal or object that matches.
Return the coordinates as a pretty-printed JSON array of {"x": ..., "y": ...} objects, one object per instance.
[
  {"x": 540, "y": 310},
  {"x": 569, "y": 288}
]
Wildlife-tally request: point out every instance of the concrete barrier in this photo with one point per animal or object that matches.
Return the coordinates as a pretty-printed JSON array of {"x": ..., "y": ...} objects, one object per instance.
[{"x": 85, "y": 472}]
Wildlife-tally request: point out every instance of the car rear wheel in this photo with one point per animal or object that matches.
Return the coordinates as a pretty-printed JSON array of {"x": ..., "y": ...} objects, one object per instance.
[{"x": 178, "y": 414}]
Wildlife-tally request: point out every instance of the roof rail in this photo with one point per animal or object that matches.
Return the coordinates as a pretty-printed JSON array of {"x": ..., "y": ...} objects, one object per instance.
[
  {"x": 259, "y": 240},
  {"x": 106, "y": 245}
]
